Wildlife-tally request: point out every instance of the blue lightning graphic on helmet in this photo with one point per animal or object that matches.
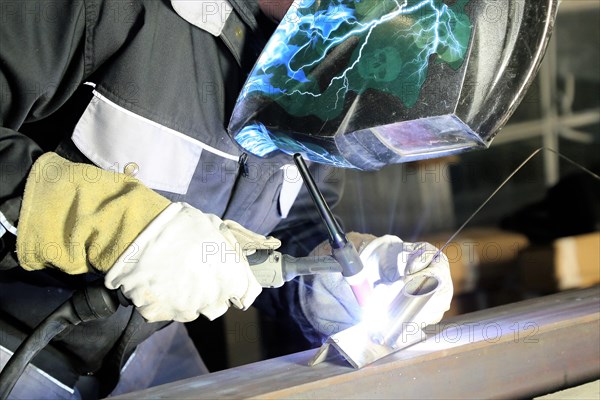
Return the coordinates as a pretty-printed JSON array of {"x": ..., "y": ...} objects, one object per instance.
[{"x": 323, "y": 53}]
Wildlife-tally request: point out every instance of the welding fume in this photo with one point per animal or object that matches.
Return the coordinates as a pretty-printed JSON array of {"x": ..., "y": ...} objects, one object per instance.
[{"x": 178, "y": 162}]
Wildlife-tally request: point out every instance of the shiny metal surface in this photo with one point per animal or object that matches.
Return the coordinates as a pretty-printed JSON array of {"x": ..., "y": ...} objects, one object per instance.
[{"x": 521, "y": 350}]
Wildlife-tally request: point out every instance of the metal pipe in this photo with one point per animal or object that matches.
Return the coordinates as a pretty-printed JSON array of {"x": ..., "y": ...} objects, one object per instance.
[
  {"x": 405, "y": 307},
  {"x": 521, "y": 350}
]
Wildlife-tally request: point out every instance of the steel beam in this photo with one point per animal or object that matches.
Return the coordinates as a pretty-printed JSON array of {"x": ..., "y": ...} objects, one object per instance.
[{"x": 524, "y": 349}]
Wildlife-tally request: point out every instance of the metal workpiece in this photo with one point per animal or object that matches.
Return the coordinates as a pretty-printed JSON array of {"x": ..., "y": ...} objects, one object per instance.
[
  {"x": 366, "y": 343},
  {"x": 404, "y": 308},
  {"x": 520, "y": 350},
  {"x": 357, "y": 347}
]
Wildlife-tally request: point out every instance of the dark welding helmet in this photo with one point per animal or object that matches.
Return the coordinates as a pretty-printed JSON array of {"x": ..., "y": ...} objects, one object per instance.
[{"x": 363, "y": 84}]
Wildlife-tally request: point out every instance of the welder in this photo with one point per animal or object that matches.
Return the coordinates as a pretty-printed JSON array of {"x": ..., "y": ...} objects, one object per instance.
[{"x": 117, "y": 164}]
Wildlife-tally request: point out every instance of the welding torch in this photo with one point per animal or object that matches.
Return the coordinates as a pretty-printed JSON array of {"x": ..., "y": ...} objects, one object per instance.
[
  {"x": 405, "y": 306},
  {"x": 343, "y": 251},
  {"x": 272, "y": 269}
]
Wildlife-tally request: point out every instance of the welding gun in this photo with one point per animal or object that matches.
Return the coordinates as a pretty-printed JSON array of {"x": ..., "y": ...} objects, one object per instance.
[
  {"x": 272, "y": 269},
  {"x": 343, "y": 251}
]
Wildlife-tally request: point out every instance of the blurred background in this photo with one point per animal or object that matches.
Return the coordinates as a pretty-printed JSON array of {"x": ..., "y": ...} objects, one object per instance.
[{"x": 540, "y": 234}]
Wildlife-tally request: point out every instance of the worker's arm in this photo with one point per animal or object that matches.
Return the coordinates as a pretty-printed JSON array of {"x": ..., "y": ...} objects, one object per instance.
[
  {"x": 47, "y": 49},
  {"x": 173, "y": 261},
  {"x": 79, "y": 218},
  {"x": 41, "y": 62}
]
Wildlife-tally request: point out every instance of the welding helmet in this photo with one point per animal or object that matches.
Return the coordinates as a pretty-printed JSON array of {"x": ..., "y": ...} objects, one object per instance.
[{"x": 364, "y": 84}]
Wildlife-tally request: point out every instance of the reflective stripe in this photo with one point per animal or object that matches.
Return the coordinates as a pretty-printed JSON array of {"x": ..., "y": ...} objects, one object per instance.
[
  {"x": 292, "y": 183},
  {"x": 5, "y": 226},
  {"x": 169, "y": 130},
  {"x": 114, "y": 138}
]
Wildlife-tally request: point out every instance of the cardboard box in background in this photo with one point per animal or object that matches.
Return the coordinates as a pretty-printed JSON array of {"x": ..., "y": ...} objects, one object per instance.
[
  {"x": 482, "y": 261},
  {"x": 491, "y": 267},
  {"x": 568, "y": 263},
  {"x": 577, "y": 261},
  {"x": 480, "y": 255}
]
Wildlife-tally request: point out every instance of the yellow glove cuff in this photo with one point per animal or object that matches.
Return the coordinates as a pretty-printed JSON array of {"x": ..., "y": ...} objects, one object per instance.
[{"x": 78, "y": 217}]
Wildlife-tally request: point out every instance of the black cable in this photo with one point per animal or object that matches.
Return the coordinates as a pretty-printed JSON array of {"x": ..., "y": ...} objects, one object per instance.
[
  {"x": 56, "y": 322},
  {"x": 92, "y": 303}
]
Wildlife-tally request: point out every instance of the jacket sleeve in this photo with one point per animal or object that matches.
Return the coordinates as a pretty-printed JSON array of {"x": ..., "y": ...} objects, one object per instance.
[
  {"x": 300, "y": 232},
  {"x": 41, "y": 64},
  {"x": 47, "y": 50}
]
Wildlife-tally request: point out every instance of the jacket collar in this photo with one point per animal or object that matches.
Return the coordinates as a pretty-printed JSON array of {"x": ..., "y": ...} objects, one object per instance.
[
  {"x": 211, "y": 15},
  {"x": 208, "y": 15}
]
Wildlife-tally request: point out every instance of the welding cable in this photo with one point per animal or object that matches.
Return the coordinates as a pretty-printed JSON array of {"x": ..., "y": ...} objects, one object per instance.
[{"x": 94, "y": 302}]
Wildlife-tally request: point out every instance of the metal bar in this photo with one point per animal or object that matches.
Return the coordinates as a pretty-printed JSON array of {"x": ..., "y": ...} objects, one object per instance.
[
  {"x": 581, "y": 118},
  {"x": 533, "y": 129},
  {"x": 525, "y": 349},
  {"x": 548, "y": 96}
]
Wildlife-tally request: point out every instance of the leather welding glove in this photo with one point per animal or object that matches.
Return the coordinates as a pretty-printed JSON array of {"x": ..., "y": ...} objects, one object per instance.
[
  {"x": 329, "y": 304},
  {"x": 171, "y": 260}
]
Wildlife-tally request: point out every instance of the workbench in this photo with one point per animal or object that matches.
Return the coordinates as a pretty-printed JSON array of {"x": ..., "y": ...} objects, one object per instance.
[{"x": 520, "y": 350}]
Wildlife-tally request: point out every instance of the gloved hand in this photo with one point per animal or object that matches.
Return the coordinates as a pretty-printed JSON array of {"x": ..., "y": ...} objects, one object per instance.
[
  {"x": 173, "y": 261},
  {"x": 187, "y": 263},
  {"x": 329, "y": 304}
]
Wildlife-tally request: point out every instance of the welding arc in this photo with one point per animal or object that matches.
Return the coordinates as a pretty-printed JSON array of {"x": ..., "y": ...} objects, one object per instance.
[{"x": 529, "y": 158}]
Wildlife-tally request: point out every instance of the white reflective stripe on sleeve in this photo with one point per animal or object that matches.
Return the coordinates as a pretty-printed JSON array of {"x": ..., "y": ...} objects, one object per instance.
[
  {"x": 169, "y": 130},
  {"x": 6, "y": 226},
  {"x": 208, "y": 15},
  {"x": 118, "y": 140},
  {"x": 292, "y": 183}
]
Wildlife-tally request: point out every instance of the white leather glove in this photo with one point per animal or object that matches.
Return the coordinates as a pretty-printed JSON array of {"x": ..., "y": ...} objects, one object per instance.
[
  {"x": 187, "y": 263},
  {"x": 330, "y": 306}
]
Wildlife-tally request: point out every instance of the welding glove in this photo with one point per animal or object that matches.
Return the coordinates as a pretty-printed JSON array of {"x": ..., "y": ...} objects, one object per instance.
[
  {"x": 329, "y": 304},
  {"x": 171, "y": 260}
]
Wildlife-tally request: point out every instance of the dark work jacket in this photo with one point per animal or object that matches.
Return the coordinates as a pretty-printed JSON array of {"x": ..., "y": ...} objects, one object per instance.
[{"x": 113, "y": 83}]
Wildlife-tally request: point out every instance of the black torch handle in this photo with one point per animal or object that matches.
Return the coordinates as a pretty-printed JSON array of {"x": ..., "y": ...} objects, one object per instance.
[{"x": 337, "y": 237}]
